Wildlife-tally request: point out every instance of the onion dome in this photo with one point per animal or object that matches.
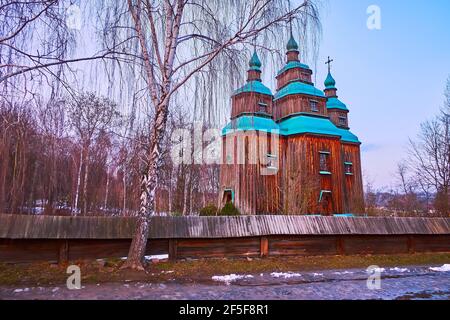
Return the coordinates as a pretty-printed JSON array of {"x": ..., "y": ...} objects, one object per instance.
[
  {"x": 255, "y": 63},
  {"x": 330, "y": 83},
  {"x": 292, "y": 44}
]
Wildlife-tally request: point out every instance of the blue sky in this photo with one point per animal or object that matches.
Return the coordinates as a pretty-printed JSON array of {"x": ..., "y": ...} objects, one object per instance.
[{"x": 391, "y": 79}]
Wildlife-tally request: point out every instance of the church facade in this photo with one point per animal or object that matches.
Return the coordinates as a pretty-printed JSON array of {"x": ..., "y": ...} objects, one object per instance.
[{"x": 291, "y": 152}]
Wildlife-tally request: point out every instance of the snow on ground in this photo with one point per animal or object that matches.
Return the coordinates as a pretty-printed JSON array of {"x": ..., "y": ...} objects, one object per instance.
[
  {"x": 285, "y": 275},
  {"x": 396, "y": 269},
  {"x": 227, "y": 279},
  {"x": 342, "y": 272},
  {"x": 157, "y": 256},
  {"x": 444, "y": 268}
]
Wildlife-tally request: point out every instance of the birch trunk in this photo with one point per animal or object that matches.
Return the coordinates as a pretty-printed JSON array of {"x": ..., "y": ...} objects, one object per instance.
[
  {"x": 85, "y": 182},
  {"x": 77, "y": 193},
  {"x": 149, "y": 183},
  {"x": 107, "y": 190}
]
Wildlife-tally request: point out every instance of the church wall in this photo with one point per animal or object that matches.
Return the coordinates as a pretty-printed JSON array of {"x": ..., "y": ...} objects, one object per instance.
[
  {"x": 255, "y": 186},
  {"x": 297, "y": 103},
  {"x": 353, "y": 192},
  {"x": 301, "y": 180},
  {"x": 334, "y": 115},
  {"x": 293, "y": 75},
  {"x": 249, "y": 103}
]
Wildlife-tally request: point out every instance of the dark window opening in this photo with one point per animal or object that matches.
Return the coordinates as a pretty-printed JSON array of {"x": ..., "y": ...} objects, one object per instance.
[
  {"x": 342, "y": 120},
  {"x": 263, "y": 107},
  {"x": 314, "y": 106},
  {"x": 228, "y": 196},
  {"x": 348, "y": 168},
  {"x": 324, "y": 162}
]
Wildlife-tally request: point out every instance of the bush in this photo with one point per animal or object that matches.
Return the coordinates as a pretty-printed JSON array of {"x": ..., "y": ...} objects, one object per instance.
[
  {"x": 209, "y": 211},
  {"x": 229, "y": 210},
  {"x": 176, "y": 214}
]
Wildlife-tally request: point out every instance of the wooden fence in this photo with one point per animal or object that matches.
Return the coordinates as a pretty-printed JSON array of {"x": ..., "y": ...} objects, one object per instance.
[{"x": 47, "y": 238}]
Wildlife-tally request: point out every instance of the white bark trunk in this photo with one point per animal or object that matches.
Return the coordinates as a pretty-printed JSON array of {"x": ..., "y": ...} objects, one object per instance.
[{"x": 77, "y": 193}]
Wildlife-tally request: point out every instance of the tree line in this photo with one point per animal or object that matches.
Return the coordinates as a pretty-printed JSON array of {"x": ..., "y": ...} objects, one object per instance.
[{"x": 68, "y": 157}]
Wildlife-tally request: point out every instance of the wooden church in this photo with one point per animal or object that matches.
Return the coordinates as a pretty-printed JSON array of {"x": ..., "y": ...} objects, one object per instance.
[{"x": 291, "y": 152}]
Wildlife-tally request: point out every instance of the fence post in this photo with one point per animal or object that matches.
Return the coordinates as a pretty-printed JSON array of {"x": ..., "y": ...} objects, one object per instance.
[
  {"x": 340, "y": 245},
  {"x": 264, "y": 246},
  {"x": 63, "y": 254},
  {"x": 410, "y": 244},
  {"x": 173, "y": 249}
]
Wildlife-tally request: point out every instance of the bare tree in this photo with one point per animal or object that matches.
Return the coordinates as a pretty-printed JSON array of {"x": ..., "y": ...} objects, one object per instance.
[
  {"x": 430, "y": 155},
  {"x": 90, "y": 116}
]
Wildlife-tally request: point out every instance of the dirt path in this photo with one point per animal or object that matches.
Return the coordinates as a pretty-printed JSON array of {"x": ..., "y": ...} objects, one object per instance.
[{"x": 396, "y": 283}]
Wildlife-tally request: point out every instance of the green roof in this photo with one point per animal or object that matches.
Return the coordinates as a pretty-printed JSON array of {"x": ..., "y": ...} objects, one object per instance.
[
  {"x": 315, "y": 125},
  {"x": 335, "y": 103},
  {"x": 254, "y": 86},
  {"x": 348, "y": 136},
  {"x": 307, "y": 124},
  {"x": 250, "y": 123},
  {"x": 292, "y": 126},
  {"x": 298, "y": 88},
  {"x": 330, "y": 83},
  {"x": 292, "y": 65}
]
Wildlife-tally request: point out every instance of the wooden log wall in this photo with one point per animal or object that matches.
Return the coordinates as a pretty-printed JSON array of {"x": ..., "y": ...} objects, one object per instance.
[{"x": 44, "y": 238}]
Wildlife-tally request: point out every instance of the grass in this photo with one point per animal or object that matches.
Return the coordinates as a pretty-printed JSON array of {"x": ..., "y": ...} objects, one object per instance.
[{"x": 42, "y": 274}]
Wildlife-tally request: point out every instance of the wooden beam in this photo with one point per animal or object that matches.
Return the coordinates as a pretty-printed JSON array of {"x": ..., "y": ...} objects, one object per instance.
[
  {"x": 63, "y": 256},
  {"x": 173, "y": 248}
]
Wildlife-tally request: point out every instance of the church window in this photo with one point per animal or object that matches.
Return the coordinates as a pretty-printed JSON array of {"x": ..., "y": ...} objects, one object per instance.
[
  {"x": 324, "y": 162},
  {"x": 314, "y": 106},
  {"x": 263, "y": 107},
  {"x": 348, "y": 168},
  {"x": 343, "y": 120}
]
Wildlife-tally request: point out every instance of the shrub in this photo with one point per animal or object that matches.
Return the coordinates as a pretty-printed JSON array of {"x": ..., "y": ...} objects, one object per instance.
[
  {"x": 229, "y": 210},
  {"x": 209, "y": 211},
  {"x": 176, "y": 214}
]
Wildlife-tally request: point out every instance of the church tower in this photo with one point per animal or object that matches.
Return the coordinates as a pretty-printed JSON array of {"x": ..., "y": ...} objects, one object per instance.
[{"x": 307, "y": 160}]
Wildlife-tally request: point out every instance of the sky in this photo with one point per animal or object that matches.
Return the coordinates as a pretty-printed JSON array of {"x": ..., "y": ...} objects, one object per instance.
[{"x": 391, "y": 79}]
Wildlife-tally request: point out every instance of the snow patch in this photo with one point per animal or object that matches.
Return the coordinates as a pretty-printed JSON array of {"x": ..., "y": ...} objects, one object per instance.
[
  {"x": 157, "y": 256},
  {"x": 342, "y": 272},
  {"x": 227, "y": 279},
  {"x": 396, "y": 269},
  {"x": 444, "y": 268},
  {"x": 18, "y": 290},
  {"x": 285, "y": 275},
  {"x": 317, "y": 274}
]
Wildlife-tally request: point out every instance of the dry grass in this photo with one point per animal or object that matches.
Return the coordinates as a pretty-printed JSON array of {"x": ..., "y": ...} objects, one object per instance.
[{"x": 41, "y": 274}]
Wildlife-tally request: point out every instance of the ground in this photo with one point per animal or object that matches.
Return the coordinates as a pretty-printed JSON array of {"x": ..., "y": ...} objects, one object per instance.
[{"x": 337, "y": 277}]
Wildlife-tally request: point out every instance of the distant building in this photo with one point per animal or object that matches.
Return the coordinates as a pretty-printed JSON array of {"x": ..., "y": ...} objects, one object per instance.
[{"x": 291, "y": 152}]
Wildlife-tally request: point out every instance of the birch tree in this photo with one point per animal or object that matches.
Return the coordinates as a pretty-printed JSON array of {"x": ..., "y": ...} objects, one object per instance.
[
  {"x": 90, "y": 116},
  {"x": 166, "y": 30}
]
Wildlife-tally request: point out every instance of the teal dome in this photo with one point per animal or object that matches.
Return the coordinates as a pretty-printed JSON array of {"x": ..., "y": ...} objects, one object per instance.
[
  {"x": 292, "y": 44},
  {"x": 255, "y": 63},
  {"x": 330, "y": 83}
]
